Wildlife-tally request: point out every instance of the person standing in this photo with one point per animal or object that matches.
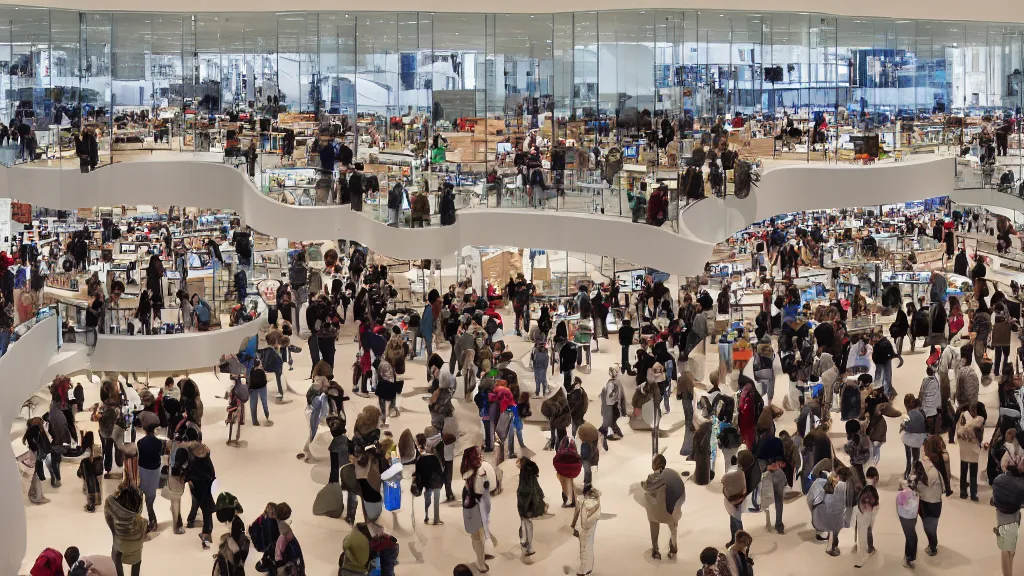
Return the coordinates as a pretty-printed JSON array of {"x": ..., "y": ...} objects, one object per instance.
[
  {"x": 39, "y": 445},
  {"x": 626, "y": 334},
  {"x": 122, "y": 511},
  {"x": 529, "y": 502},
  {"x": 664, "y": 495},
  {"x": 929, "y": 487},
  {"x": 201, "y": 474},
  {"x": 908, "y": 505},
  {"x": 970, "y": 428},
  {"x": 258, "y": 392},
  {"x": 429, "y": 476},
  {"x": 613, "y": 406},
  {"x": 151, "y": 450},
  {"x": 588, "y": 512},
  {"x": 1008, "y": 498}
]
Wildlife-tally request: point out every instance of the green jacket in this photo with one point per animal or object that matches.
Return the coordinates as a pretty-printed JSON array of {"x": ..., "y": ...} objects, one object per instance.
[
  {"x": 356, "y": 548},
  {"x": 529, "y": 495}
]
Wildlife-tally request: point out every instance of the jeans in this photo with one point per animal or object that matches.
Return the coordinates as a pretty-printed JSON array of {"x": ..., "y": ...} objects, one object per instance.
[
  {"x": 5, "y": 341},
  {"x": 625, "y": 358},
  {"x": 540, "y": 376},
  {"x": 257, "y": 395},
  {"x": 431, "y": 495},
  {"x": 965, "y": 468},
  {"x": 1002, "y": 355},
  {"x": 930, "y": 512},
  {"x": 910, "y": 535},
  {"x": 735, "y": 525},
  {"x": 393, "y": 216},
  {"x": 884, "y": 372},
  {"x": 428, "y": 341}
]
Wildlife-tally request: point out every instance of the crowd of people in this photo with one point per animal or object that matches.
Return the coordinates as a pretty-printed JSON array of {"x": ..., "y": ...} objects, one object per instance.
[{"x": 840, "y": 379}]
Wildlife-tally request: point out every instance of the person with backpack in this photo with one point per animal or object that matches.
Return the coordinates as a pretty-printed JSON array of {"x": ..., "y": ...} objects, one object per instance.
[
  {"x": 428, "y": 477},
  {"x": 203, "y": 313},
  {"x": 234, "y": 546},
  {"x": 288, "y": 558},
  {"x": 882, "y": 355},
  {"x": 480, "y": 481},
  {"x": 263, "y": 535}
]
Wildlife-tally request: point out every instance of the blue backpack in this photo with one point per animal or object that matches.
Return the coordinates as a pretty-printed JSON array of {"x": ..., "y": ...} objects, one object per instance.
[{"x": 203, "y": 312}]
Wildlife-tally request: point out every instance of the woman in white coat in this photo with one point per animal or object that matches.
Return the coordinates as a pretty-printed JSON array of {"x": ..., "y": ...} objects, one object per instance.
[
  {"x": 480, "y": 479},
  {"x": 588, "y": 511}
]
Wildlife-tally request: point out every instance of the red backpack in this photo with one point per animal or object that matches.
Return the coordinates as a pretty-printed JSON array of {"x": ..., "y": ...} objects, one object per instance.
[{"x": 49, "y": 563}]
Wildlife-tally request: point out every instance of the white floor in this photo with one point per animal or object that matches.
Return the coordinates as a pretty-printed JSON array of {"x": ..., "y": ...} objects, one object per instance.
[{"x": 265, "y": 469}]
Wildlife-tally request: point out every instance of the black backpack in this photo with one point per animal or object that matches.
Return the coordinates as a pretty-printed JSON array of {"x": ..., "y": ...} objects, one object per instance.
[
  {"x": 742, "y": 179},
  {"x": 1006, "y": 180},
  {"x": 693, "y": 183}
]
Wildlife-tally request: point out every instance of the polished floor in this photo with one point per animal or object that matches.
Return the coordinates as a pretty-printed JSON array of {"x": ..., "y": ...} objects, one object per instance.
[{"x": 265, "y": 469}]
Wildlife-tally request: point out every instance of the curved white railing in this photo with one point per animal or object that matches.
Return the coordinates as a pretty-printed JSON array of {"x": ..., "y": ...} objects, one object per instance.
[
  {"x": 816, "y": 187},
  {"x": 195, "y": 183}
]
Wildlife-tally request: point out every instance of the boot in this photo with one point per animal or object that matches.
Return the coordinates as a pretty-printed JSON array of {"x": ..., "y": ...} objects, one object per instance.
[{"x": 672, "y": 551}]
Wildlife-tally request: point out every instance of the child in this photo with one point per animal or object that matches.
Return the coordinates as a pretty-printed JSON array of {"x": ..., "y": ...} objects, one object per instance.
[
  {"x": 713, "y": 563},
  {"x": 541, "y": 360}
]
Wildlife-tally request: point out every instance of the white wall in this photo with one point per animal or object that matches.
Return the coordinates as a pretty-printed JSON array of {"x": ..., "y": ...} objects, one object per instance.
[{"x": 23, "y": 367}]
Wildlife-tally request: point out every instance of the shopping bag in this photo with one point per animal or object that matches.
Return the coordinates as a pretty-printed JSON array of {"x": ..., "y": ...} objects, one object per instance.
[{"x": 392, "y": 496}]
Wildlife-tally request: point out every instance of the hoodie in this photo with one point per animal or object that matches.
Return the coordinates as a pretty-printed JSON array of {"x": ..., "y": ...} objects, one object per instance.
[{"x": 128, "y": 527}]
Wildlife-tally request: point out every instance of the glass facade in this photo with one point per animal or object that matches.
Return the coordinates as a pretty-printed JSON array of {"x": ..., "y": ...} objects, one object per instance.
[
  {"x": 566, "y": 66},
  {"x": 590, "y": 78}
]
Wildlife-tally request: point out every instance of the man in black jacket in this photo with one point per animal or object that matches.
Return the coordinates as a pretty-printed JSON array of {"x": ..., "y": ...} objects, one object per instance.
[
  {"x": 626, "y": 332},
  {"x": 882, "y": 356}
]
